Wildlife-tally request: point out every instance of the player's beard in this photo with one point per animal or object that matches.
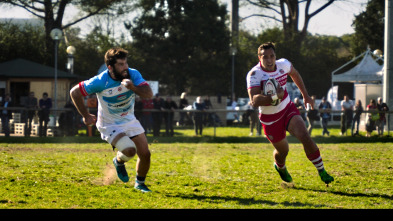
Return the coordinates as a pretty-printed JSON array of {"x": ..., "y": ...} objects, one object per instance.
[{"x": 119, "y": 76}]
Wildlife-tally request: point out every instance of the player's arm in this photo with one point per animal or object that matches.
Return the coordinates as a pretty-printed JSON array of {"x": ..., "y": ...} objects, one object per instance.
[
  {"x": 257, "y": 98},
  {"x": 297, "y": 78},
  {"x": 143, "y": 90},
  {"x": 77, "y": 99}
]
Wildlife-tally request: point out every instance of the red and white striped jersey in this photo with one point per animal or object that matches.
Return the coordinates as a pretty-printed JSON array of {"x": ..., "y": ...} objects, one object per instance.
[{"x": 255, "y": 78}]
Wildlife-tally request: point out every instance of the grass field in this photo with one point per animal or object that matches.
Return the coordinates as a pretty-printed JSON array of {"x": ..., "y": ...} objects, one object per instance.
[{"x": 227, "y": 171}]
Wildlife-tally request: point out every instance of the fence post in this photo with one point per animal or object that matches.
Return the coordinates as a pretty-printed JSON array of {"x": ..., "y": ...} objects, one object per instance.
[{"x": 214, "y": 120}]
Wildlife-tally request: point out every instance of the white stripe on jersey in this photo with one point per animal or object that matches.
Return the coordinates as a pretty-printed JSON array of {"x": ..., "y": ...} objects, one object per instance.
[{"x": 256, "y": 75}]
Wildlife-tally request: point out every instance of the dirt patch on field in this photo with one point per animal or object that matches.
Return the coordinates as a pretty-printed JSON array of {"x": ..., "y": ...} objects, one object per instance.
[{"x": 109, "y": 176}]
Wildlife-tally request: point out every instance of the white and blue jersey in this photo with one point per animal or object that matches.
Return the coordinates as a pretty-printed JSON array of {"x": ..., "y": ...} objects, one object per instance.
[{"x": 115, "y": 101}]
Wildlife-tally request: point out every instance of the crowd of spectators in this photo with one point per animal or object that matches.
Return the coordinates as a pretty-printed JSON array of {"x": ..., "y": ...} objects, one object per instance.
[
  {"x": 350, "y": 116},
  {"x": 163, "y": 112}
]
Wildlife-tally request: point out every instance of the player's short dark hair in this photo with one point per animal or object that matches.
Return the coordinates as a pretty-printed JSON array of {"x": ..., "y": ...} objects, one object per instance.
[
  {"x": 113, "y": 54},
  {"x": 266, "y": 46}
]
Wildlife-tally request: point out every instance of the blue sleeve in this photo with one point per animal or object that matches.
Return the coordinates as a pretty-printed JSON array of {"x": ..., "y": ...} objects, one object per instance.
[
  {"x": 136, "y": 77},
  {"x": 95, "y": 84}
]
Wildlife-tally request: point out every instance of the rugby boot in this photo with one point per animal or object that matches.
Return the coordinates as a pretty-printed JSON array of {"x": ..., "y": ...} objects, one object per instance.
[
  {"x": 285, "y": 176},
  {"x": 325, "y": 177},
  {"x": 141, "y": 187},
  {"x": 121, "y": 171}
]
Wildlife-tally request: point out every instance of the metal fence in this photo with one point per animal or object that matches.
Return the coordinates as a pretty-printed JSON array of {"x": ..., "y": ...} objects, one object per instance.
[{"x": 67, "y": 121}]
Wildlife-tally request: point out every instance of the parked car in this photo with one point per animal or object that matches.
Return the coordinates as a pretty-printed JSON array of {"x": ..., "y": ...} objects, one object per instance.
[{"x": 236, "y": 117}]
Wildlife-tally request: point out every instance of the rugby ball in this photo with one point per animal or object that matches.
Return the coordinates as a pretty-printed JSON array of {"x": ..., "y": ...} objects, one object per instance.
[{"x": 270, "y": 88}]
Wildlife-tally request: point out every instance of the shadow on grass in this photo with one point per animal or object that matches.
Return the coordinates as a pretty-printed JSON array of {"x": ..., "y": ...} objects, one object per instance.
[
  {"x": 384, "y": 196},
  {"x": 243, "y": 201}
]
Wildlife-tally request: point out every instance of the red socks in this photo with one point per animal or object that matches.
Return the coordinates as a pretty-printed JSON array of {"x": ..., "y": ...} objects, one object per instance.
[
  {"x": 316, "y": 159},
  {"x": 280, "y": 166}
]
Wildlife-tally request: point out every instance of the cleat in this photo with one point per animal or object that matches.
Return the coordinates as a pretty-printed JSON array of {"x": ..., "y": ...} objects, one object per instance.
[
  {"x": 283, "y": 174},
  {"x": 121, "y": 171},
  {"x": 142, "y": 187},
  {"x": 325, "y": 177}
]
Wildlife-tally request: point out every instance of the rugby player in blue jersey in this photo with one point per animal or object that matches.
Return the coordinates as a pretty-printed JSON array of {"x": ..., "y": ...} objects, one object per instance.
[{"x": 116, "y": 88}]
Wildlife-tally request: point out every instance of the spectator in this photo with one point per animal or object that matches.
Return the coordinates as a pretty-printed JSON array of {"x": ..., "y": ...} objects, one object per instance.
[
  {"x": 371, "y": 117},
  {"x": 45, "y": 105},
  {"x": 32, "y": 106},
  {"x": 382, "y": 108},
  {"x": 183, "y": 103},
  {"x": 233, "y": 105},
  {"x": 158, "y": 104},
  {"x": 346, "y": 115},
  {"x": 325, "y": 108},
  {"x": 6, "y": 115},
  {"x": 253, "y": 114},
  {"x": 70, "y": 128},
  {"x": 208, "y": 119},
  {"x": 198, "y": 115},
  {"x": 259, "y": 125},
  {"x": 299, "y": 105},
  {"x": 312, "y": 115},
  {"x": 147, "y": 120},
  {"x": 356, "y": 118},
  {"x": 169, "y": 106}
]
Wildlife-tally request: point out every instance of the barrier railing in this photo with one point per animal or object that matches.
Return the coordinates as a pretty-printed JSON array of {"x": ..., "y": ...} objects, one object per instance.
[{"x": 56, "y": 113}]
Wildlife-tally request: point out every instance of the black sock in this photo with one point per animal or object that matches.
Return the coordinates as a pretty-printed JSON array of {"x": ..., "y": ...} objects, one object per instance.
[{"x": 140, "y": 179}]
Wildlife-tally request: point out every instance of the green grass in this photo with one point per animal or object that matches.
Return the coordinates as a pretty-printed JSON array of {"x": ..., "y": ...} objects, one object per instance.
[{"x": 227, "y": 171}]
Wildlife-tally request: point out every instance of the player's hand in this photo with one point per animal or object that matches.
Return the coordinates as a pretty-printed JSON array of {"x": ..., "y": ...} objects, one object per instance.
[
  {"x": 308, "y": 100},
  {"x": 280, "y": 92},
  {"x": 127, "y": 83},
  {"x": 90, "y": 120}
]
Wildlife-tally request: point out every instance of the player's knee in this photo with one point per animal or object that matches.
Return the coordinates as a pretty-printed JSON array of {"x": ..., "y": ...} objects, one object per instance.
[
  {"x": 124, "y": 143},
  {"x": 126, "y": 148},
  {"x": 281, "y": 152},
  {"x": 129, "y": 152},
  {"x": 125, "y": 156}
]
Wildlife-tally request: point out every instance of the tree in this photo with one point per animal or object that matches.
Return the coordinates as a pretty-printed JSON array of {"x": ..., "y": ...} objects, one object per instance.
[
  {"x": 28, "y": 42},
  {"x": 25, "y": 42},
  {"x": 287, "y": 13},
  {"x": 52, "y": 12},
  {"x": 369, "y": 28},
  {"x": 184, "y": 45},
  {"x": 90, "y": 51}
]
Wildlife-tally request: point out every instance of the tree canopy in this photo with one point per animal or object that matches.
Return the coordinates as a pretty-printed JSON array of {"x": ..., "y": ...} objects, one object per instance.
[
  {"x": 53, "y": 12},
  {"x": 288, "y": 14},
  {"x": 183, "y": 44},
  {"x": 369, "y": 27}
]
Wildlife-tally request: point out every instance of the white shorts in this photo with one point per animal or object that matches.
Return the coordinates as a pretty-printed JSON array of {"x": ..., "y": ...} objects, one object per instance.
[{"x": 132, "y": 128}]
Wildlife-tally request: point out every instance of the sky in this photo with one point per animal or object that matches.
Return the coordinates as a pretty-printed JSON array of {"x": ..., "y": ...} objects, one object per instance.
[{"x": 335, "y": 20}]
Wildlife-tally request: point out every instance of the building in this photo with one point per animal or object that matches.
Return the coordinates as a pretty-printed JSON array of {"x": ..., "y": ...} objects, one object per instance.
[{"x": 18, "y": 77}]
